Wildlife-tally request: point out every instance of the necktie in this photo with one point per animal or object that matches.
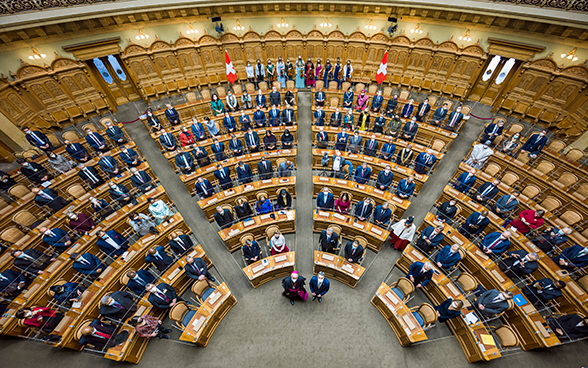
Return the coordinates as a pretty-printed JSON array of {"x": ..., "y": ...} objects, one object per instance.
[
  {"x": 185, "y": 160},
  {"x": 363, "y": 210},
  {"x": 180, "y": 242},
  {"x": 581, "y": 253},
  {"x": 158, "y": 257},
  {"x": 140, "y": 178},
  {"x": 453, "y": 119},
  {"x": 251, "y": 139},
  {"x": 161, "y": 295},
  {"x": 95, "y": 139},
  {"x": 371, "y": 144},
  {"x": 427, "y": 157},
  {"x": 112, "y": 130},
  {"x": 101, "y": 334},
  {"x": 45, "y": 195},
  {"x": 494, "y": 243},
  {"x": 167, "y": 140},
  {"x": 538, "y": 138},
  {"x": 84, "y": 261},
  {"x": 319, "y": 284},
  {"x": 117, "y": 305},
  {"x": 509, "y": 199},
  {"x": 204, "y": 188},
  {"x": 222, "y": 174},
  {"x": 353, "y": 251},
  {"x": 196, "y": 269},
  {"x": 422, "y": 110},
  {"x": 411, "y": 125},
  {"x": 487, "y": 190},
  {"x": 27, "y": 257}
]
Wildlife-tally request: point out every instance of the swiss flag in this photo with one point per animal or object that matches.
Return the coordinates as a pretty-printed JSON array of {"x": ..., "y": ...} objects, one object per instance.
[
  {"x": 231, "y": 73},
  {"x": 383, "y": 69}
]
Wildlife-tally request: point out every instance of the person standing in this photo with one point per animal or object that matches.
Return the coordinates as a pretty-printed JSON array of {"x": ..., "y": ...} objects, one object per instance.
[
  {"x": 319, "y": 286},
  {"x": 402, "y": 233},
  {"x": 149, "y": 326},
  {"x": 294, "y": 287},
  {"x": 299, "y": 72},
  {"x": 281, "y": 72}
]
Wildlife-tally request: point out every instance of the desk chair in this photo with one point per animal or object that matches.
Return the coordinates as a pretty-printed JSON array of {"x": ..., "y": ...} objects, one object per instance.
[
  {"x": 364, "y": 243},
  {"x": 269, "y": 232},
  {"x": 403, "y": 287},
  {"x": 181, "y": 313},
  {"x": 90, "y": 126},
  {"x": 337, "y": 230},
  {"x": 344, "y": 86},
  {"x": 465, "y": 282},
  {"x": 243, "y": 241},
  {"x": 509, "y": 178},
  {"x": 202, "y": 289},
  {"x": 575, "y": 154},
  {"x": 492, "y": 169},
  {"x": 71, "y": 136},
  {"x": 51, "y": 293},
  {"x": 30, "y": 154},
  {"x": 11, "y": 235},
  {"x": 438, "y": 145},
  {"x": 544, "y": 166},
  {"x": 76, "y": 190},
  {"x": 511, "y": 305},
  {"x": 556, "y": 145},
  {"x": 425, "y": 315},
  {"x": 513, "y": 129},
  {"x": 78, "y": 333},
  {"x": 26, "y": 220},
  {"x": 19, "y": 191},
  {"x": 566, "y": 180},
  {"x": 530, "y": 191},
  {"x": 506, "y": 337}
]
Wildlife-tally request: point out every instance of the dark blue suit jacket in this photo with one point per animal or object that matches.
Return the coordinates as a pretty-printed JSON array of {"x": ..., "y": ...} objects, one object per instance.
[
  {"x": 180, "y": 160},
  {"x": 118, "y": 238},
  {"x": 313, "y": 284},
  {"x": 388, "y": 151},
  {"x": 427, "y": 233},
  {"x": 571, "y": 255},
  {"x": 419, "y": 278},
  {"x": 490, "y": 193},
  {"x": 236, "y": 146},
  {"x": 407, "y": 111},
  {"x": 377, "y": 102},
  {"x": 167, "y": 140},
  {"x": 129, "y": 157},
  {"x": 162, "y": 262},
  {"x": 229, "y": 123},
  {"x": 445, "y": 313},
  {"x": 104, "y": 164},
  {"x": 93, "y": 143},
  {"x": 146, "y": 181},
  {"x": 169, "y": 292},
  {"x": 115, "y": 133},
  {"x": 249, "y": 137},
  {"x": 422, "y": 165},
  {"x": 446, "y": 258},
  {"x": 198, "y": 131},
  {"x": 384, "y": 179},
  {"x": 501, "y": 203},
  {"x": 259, "y": 118},
  {"x": 57, "y": 241},
  {"x": 138, "y": 286},
  {"x": 500, "y": 247},
  {"x": 359, "y": 209},
  {"x": 227, "y": 176},
  {"x": 244, "y": 174},
  {"x": 362, "y": 175},
  {"x": 207, "y": 186},
  {"x": 382, "y": 215},
  {"x": 76, "y": 151},
  {"x": 464, "y": 185},
  {"x": 534, "y": 144},
  {"x": 254, "y": 251},
  {"x": 89, "y": 269},
  {"x": 471, "y": 221},
  {"x": 321, "y": 203},
  {"x": 405, "y": 188},
  {"x": 13, "y": 277}
]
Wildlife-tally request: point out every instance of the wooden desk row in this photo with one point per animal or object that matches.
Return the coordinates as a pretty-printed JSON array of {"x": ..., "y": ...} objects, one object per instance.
[
  {"x": 229, "y": 196},
  {"x": 375, "y": 235},
  {"x": 251, "y": 159},
  {"x": 359, "y": 192},
  {"x": 270, "y": 268},
  {"x": 377, "y": 164},
  {"x": 338, "y": 268},
  {"x": 285, "y": 220}
]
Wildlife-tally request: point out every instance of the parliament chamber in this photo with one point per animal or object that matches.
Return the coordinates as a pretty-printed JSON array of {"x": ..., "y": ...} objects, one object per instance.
[{"x": 168, "y": 169}]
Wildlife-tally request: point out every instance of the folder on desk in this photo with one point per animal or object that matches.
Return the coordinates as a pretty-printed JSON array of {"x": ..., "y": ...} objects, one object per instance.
[
  {"x": 340, "y": 217},
  {"x": 328, "y": 257},
  {"x": 281, "y": 258},
  {"x": 471, "y": 318},
  {"x": 519, "y": 299},
  {"x": 347, "y": 268},
  {"x": 488, "y": 339}
]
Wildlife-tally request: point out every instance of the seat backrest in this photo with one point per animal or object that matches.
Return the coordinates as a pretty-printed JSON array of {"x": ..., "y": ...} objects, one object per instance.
[
  {"x": 19, "y": 191},
  {"x": 53, "y": 139},
  {"x": 3, "y": 204},
  {"x": 76, "y": 191},
  {"x": 271, "y": 230},
  {"x": 582, "y": 190},
  {"x": 575, "y": 154},
  {"x": 263, "y": 86},
  {"x": 199, "y": 287},
  {"x": 432, "y": 101},
  {"x": 550, "y": 203},
  {"x": 404, "y": 95},
  {"x": 105, "y": 120},
  {"x": 246, "y": 237},
  {"x": 405, "y": 285},
  {"x": 465, "y": 110},
  {"x": 78, "y": 333},
  {"x": 510, "y": 178},
  {"x": 277, "y": 84},
  {"x": 221, "y": 92},
  {"x": 92, "y": 127},
  {"x": 545, "y": 167},
  {"x": 124, "y": 279},
  {"x": 359, "y": 87},
  {"x": 333, "y": 85},
  {"x": 289, "y": 84},
  {"x": 24, "y": 218},
  {"x": 508, "y": 338},
  {"x": 280, "y": 160},
  {"x": 524, "y": 159},
  {"x": 176, "y": 313},
  {"x": 458, "y": 209},
  {"x": 237, "y": 89},
  {"x": 530, "y": 191},
  {"x": 319, "y": 84},
  {"x": 362, "y": 241},
  {"x": 449, "y": 104},
  {"x": 191, "y": 97},
  {"x": 556, "y": 145},
  {"x": 428, "y": 312},
  {"x": 515, "y": 128},
  {"x": 387, "y": 93},
  {"x": 467, "y": 281},
  {"x": 11, "y": 235},
  {"x": 242, "y": 197},
  {"x": 260, "y": 193},
  {"x": 227, "y": 207},
  {"x": 492, "y": 169},
  {"x": 438, "y": 145},
  {"x": 336, "y": 229},
  {"x": 571, "y": 217},
  {"x": 567, "y": 179},
  {"x": 70, "y": 135},
  {"x": 30, "y": 153},
  {"x": 334, "y": 102},
  {"x": 583, "y": 281},
  {"x": 205, "y": 93},
  {"x": 372, "y": 89}
]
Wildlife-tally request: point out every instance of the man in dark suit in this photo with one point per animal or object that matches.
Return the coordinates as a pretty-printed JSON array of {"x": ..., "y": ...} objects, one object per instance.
[
  {"x": 424, "y": 162},
  {"x": 195, "y": 268},
  {"x": 251, "y": 140},
  {"x": 121, "y": 194},
  {"x": 102, "y": 335},
  {"x": 130, "y": 157},
  {"x": 118, "y": 305},
  {"x": 201, "y": 155},
  {"x": 465, "y": 181},
  {"x": 12, "y": 282},
  {"x": 493, "y": 302},
  {"x": 391, "y": 106},
  {"x": 355, "y": 142},
  {"x": 76, "y": 151},
  {"x": 87, "y": 264},
  {"x": 377, "y": 102},
  {"x": 180, "y": 244},
  {"x": 159, "y": 258},
  {"x": 275, "y": 97},
  {"x": 322, "y": 138},
  {"x": 387, "y": 152},
  {"x": 420, "y": 273},
  {"x": 236, "y": 146},
  {"x": 404, "y": 156},
  {"x": 49, "y": 197},
  {"x": 319, "y": 97},
  {"x": 112, "y": 243},
  {"x": 57, "y": 238},
  {"x": 486, "y": 192},
  {"x": 162, "y": 296},
  {"x": 405, "y": 187},
  {"x": 273, "y": 116},
  {"x": 138, "y": 280},
  {"x": 204, "y": 188},
  {"x": 325, "y": 200},
  {"x": 382, "y": 215},
  {"x": 38, "y": 139},
  {"x": 353, "y": 252},
  {"x": 492, "y": 131},
  {"x": 572, "y": 257},
  {"x": 223, "y": 175},
  {"x": 474, "y": 224},
  {"x": 407, "y": 109},
  {"x": 172, "y": 115},
  {"x": 362, "y": 174},
  {"x": 328, "y": 241},
  {"x": 569, "y": 327},
  {"x": 506, "y": 204},
  {"x": 535, "y": 143},
  {"x": 384, "y": 180},
  {"x": 454, "y": 119},
  {"x": 218, "y": 148},
  {"x": 495, "y": 243},
  {"x": 31, "y": 260},
  {"x": 288, "y": 116},
  {"x": 430, "y": 238},
  {"x": 115, "y": 134},
  {"x": 519, "y": 263},
  {"x": 229, "y": 122},
  {"x": 109, "y": 164},
  {"x": 90, "y": 175},
  {"x": 410, "y": 130},
  {"x": 33, "y": 171},
  {"x": 336, "y": 118},
  {"x": 319, "y": 286},
  {"x": 448, "y": 256},
  {"x": 96, "y": 141},
  {"x": 223, "y": 217},
  {"x": 259, "y": 116},
  {"x": 363, "y": 209},
  {"x": 184, "y": 161},
  {"x": 244, "y": 173},
  {"x": 265, "y": 169},
  {"x": 423, "y": 110},
  {"x": 543, "y": 290},
  {"x": 251, "y": 251},
  {"x": 439, "y": 115},
  {"x": 319, "y": 116},
  {"x": 141, "y": 180},
  {"x": 370, "y": 147},
  {"x": 550, "y": 238}
]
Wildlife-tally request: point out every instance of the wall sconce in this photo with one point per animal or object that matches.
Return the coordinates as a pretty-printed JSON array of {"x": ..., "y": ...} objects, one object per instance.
[
  {"x": 141, "y": 36},
  {"x": 570, "y": 55},
  {"x": 416, "y": 30},
  {"x": 283, "y": 24},
  {"x": 326, "y": 23},
  {"x": 191, "y": 30},
  {"x": 238, "y": 26},
  {"x": 466, "y": 37},
  {"x": 36, "y": 55},
  {"x": 370, "y": 26}
]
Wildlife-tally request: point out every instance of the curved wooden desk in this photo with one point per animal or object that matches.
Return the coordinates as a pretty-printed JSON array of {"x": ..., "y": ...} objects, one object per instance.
[
  {"x": 375, "y": 235},
  {"x": 270, "y": 268},
  {"x": 338, "y": 268}
]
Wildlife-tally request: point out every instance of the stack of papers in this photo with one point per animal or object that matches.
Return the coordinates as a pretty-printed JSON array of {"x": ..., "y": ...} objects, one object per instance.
[
  {"x": 471, "y": 318},
  {"x": 348, "y": 268},
  {"x": 281, "y": 258}
]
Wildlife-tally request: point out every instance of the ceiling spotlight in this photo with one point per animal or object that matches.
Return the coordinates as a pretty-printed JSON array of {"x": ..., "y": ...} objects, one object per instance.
[
  {"x": 326, "y": 23},
  {"x": 416, "y": 30},
  {"x": 141, "y": 36},
  {"x": 570, "y": 55},
  {"x": 466, "y": 37},
  {"x": 36, "y": 55},
  {"x": 283, "y": 24},
  {"x": 238, "y": 26},
  {"x": 191, "y": 30},
  {"x": 370, "y": 26}
]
